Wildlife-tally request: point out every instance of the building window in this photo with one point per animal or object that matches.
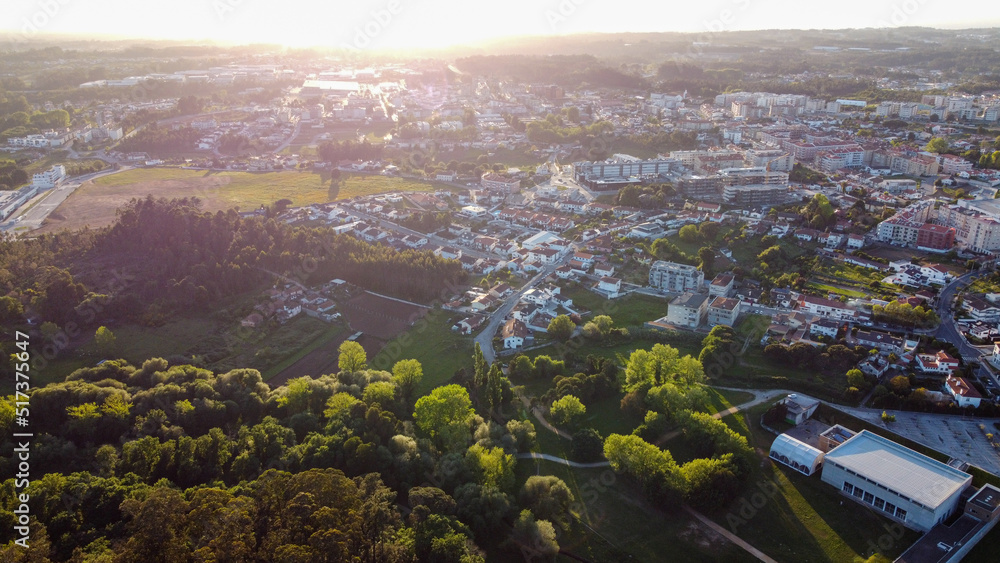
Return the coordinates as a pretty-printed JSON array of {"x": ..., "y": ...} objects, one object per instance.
[
  {"x": 859, "y": 492},
  {"x": 901, "y": 514},
  {"x": 869, "y": 498},
  {"x": 879, "y": 503},
  {"x": 890, "y": 508},
  {"x": 848, "y": 488}
]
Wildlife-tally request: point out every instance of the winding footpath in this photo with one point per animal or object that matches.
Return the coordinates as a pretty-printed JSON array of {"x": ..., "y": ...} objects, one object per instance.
[
  {"x": 760, "y": 396},
  {"x": 563, "y": 461}
]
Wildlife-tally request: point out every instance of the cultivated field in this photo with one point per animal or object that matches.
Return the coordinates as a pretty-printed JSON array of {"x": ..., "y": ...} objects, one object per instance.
[
  {"x": 94, "y": 203},
  {"x": 380, "y": 317}
]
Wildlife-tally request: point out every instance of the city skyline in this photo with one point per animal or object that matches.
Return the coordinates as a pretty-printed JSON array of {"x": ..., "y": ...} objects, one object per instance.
[{"x": 402, "y": 24}]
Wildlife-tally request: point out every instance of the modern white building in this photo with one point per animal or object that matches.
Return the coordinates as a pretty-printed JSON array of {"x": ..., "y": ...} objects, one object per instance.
[
  {"x": 670, "y": 276},
  {"x": 50, "y": 178},
  {"x": 895, "y": 481},
  {"x": 796, "y": 454}
]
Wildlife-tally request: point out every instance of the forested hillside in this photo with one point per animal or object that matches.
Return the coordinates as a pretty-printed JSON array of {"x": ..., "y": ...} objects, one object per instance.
[{"x": 163, "y": 257}]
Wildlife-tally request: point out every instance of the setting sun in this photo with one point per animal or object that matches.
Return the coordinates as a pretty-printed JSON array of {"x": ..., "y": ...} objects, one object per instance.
[{"x": 422, "y": 24}]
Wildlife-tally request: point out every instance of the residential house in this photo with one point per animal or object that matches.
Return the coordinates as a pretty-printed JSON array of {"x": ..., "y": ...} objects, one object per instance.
[
  {"x": 469, "y": 325},
  {"x": 826, "y": 308},
  {"x": 611, "y": 286},
  {"x": 484, "y": 302},
  {"x": 824, "y": 327},
  {"x": 940, "y": 362},
  {"x": 962, "y": 390},
  {"x": 500, "y": 291},
  {"x": 604, "y": 269},
  {"x": 881, "y": 341},
  {"x": 448, "y": 252},
  {"x": 514, "y": 334},
  {"x": 415, "y": 241},
  {"x": 980, "y": 309},
  {"x": 525, "y": 311}
]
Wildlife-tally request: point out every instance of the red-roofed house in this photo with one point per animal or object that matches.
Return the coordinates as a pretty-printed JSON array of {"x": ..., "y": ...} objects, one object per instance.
[{"x": 964, "y": 393}]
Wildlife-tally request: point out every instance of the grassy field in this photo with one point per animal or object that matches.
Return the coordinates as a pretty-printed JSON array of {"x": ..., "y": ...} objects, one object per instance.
[
  {"x": 95, "y": 202},
  {"x": 520, "y": 159},
  {"x": 431, "y": 341},
  {"x": 139, "y": 343},
  {"x": 827, "y": 289},
  {"x": 685, "y": 346},
  {"x": 722, "y": 399},
  {"x": 631, "y": 310}
]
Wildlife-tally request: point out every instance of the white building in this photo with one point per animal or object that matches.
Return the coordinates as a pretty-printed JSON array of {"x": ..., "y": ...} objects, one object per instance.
[
  {"x": 687, "y": 310},
  {"x": 964, "y": 393},
  {"x": 670, "y": 276},
  {"x": 796, "y": 454},
  {"x": 50, "y": 178},
  {"x": 895, "y": 481},
  {"x": 514, "y": 334},
  {"x": 723, "y": 311},
  {"x": 611, "y": 286}
]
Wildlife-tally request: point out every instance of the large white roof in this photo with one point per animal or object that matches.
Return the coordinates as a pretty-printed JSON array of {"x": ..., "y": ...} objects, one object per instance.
[
  {"x": 796, "y": 450},
  {"x": 904, "y": 471}
]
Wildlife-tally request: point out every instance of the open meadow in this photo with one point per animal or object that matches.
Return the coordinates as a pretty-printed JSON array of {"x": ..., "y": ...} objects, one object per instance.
[{"x": 94, "y": 203}]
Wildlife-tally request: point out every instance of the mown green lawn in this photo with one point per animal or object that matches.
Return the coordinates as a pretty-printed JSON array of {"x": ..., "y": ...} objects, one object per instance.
[
  {"x": 631, "y": 310},
  {"x": 440, "y": 351}
]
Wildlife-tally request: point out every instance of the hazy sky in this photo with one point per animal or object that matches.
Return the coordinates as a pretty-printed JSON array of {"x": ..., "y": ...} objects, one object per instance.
[{"x": 436, "y": 23}]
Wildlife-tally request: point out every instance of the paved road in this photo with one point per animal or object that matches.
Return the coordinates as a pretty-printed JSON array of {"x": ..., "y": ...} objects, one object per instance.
[
  {"x": 46, "y": 202},
  {"x": 295, "y": 134},
  {"x": 485, "y": 338},
  {"x": 947, "y": 330}
]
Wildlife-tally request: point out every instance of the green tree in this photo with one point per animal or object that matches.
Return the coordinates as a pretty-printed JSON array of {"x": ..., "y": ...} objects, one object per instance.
[
  {"x": 689, "y": 234},
  {"x": 382, "y": 393},
  {"x": 561, "y": 328},
  {"x": 856, "y": 378},
  {"x": 587, "y": 445},
  {"x": 296, "y": 395},
  {"x": 445, "y": 415},
  {"x": 938, "y": 145},
  {"x": 711, "y": 483},
  {"x": 900, "y": 385},
  {"x": 521, "y": 368},
  {"x": 480, "y": 367},
  {"x": 11, "y": 310},
  {"x": 406, "y": 374},
  {"x": 352, "y": 357},
  {"x": 116, "y": 406},
  {"x": 534, "y": 538},
  {"x": 492, "y": 467},
  {"x": 706, "y": 259},
  {"x": 548, "y": 498},
  {"x": 567, "y": 410}
]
